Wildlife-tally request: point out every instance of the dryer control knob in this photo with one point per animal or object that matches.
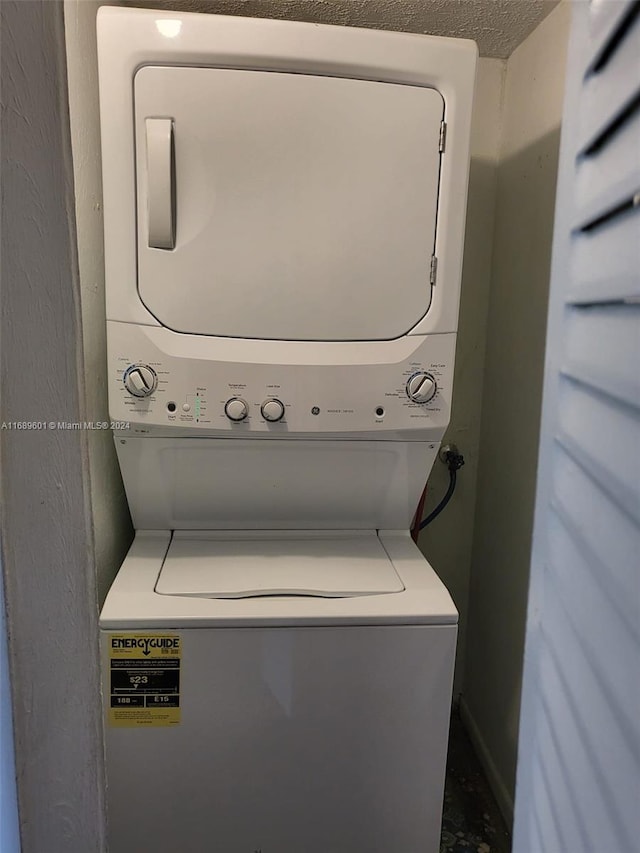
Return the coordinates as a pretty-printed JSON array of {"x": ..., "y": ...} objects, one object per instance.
[
  {"x": 421, "y": 388},
  {"x": 236, "y": 409},
  {"x": 272, "y": 409},
  {"x": 140, "y": 380}
]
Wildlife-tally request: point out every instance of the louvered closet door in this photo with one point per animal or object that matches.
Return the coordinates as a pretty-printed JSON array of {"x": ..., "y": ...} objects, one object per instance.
[{"x": 579, "y": 761}]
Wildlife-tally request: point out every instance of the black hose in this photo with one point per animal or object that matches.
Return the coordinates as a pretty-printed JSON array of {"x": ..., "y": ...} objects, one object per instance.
[{"x": 454, "y": 461}]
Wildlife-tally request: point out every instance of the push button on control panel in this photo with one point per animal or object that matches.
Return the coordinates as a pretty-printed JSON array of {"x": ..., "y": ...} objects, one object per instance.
[
  {"x": 272, "y": 410},
  {"x": 236, "y": 409}
]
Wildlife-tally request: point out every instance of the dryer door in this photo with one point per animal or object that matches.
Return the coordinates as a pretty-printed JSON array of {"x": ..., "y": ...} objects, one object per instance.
[{"x": 285, "y": 206}]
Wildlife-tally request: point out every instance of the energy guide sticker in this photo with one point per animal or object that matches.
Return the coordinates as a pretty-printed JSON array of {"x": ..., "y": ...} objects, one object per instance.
[{"x": 144, "y": 680}]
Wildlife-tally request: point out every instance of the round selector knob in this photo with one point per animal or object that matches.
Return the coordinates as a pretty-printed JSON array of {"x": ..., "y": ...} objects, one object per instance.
[
  {"x": 421, "y": 388},
  {"x": 272, "y": 409},
  {"x": 140, "y": 380},
  {"x": 236, "y": 409}
]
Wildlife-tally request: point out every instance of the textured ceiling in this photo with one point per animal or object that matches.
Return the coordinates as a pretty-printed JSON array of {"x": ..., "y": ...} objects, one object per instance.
[{"x": 498, "y": 26}]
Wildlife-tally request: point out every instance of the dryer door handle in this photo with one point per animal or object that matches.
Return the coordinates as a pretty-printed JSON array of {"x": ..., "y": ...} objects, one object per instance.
[{"x": 161, "y": 196}]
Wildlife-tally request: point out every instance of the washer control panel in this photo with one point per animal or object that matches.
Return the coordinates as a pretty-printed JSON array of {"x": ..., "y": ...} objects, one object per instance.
[{"x": 349, "y": 388}]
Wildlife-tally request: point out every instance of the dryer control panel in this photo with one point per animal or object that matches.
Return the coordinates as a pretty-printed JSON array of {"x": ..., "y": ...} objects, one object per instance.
[{"x": 399, "y": 387}]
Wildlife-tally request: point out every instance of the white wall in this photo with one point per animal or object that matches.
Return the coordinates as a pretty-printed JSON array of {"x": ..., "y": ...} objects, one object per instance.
[
  {"x": 111, "y": 523},
  {"x": 512, "y": 390},
  {"x": 447, "y": 541}
]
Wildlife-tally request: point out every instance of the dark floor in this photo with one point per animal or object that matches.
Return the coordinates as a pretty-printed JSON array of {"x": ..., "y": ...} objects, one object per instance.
[{"x": 471, "y": 822}]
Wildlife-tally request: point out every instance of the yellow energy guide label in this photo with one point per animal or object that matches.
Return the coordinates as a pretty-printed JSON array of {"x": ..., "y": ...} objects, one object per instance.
[{"x": 144, "y": 679}]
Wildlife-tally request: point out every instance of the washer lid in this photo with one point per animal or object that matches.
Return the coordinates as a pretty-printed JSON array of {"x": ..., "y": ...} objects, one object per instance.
[
  {"x": 285, "y": 206},
  {"x": 308, "y": 563}
]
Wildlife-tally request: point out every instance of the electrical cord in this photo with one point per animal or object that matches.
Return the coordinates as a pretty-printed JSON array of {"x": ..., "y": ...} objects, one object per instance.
[{"x": 454, "y": 462}]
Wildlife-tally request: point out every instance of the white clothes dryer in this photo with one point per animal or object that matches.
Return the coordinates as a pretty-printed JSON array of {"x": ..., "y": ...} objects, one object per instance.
[{"x": 284, "y": 216}]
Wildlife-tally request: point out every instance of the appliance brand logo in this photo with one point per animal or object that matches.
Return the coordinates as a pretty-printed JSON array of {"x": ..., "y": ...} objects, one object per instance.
[{"x": 145, "y": 644}]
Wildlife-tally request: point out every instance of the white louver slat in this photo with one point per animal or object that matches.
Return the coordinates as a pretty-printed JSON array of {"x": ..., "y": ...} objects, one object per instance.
[{"x": 578, "y": 787}]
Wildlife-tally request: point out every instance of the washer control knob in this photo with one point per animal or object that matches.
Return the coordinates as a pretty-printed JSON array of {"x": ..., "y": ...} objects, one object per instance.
[
  {"x": 421, "y": 388},
  {"x": 236, "y": 409},
  {"x": 140, "y": 380},
  {"x": 272, "y": 409}
]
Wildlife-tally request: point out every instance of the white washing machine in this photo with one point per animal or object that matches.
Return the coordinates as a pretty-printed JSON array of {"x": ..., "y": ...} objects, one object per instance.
[{"x": 284, "y": 216}]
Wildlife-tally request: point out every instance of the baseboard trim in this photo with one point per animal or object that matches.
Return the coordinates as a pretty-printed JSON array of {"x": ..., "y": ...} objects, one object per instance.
[{"x": 500, "y": 792}]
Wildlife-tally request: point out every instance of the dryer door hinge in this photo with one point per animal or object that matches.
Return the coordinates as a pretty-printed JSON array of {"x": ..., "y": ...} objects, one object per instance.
[
  {"x": 433, "y": 272},
  {"x": 443, "y": 136}
]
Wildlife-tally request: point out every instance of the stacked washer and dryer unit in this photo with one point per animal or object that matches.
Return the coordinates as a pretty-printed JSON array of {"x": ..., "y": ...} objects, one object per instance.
[{"x": 284, "y": 216}]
